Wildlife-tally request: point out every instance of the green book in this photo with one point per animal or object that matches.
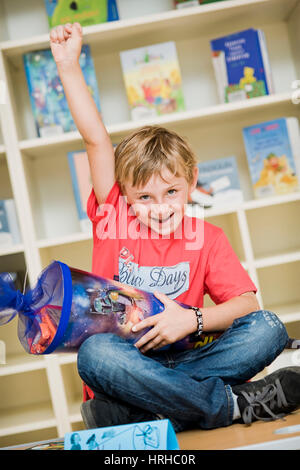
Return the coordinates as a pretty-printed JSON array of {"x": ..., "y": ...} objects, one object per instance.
[{"x": 85, "y": 12}]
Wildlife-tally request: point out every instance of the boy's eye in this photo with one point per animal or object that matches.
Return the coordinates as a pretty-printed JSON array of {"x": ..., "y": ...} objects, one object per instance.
[
  {"x": 144, "y": 197},
  {"x": 172, "y": 191}
]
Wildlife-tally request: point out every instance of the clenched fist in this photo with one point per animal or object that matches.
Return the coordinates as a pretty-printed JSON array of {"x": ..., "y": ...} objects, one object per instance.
[{"x": 66, "y": 43}]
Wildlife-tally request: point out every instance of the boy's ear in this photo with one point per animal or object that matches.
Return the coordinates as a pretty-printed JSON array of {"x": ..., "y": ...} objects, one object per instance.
[{"x": 195, "y": 179}]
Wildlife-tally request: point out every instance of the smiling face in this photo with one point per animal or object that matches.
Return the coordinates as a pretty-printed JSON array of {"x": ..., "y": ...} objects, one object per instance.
[
  {"x": 156, "y": 170},
  {"x": 160, "y": 203}
]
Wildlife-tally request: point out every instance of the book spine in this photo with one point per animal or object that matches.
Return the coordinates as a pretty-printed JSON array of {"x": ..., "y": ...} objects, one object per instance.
[
  {"x": 292, "y": 125},
  {"x": 266, "y": 61},
  {"x": 80, "y": 211},
  {"x": 30, "y": 88},
  {"x": 84, "y": 221},
  {"x": 220, "y": 69},
  {"x": 5, "y": 235},
  {"x": 112, "y": 10},
  {"x": 12, "y": 220}
]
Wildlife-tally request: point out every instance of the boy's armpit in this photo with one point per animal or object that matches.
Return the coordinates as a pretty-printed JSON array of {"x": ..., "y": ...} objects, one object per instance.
[{"x": 249, "y": 293}]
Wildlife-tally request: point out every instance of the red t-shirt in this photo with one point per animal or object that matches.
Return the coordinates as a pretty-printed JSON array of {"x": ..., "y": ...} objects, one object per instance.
[{"x": 195, "y": 260}]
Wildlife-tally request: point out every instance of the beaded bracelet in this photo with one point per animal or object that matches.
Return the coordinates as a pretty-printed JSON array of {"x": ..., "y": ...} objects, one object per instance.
[{"x": 199, "y": 321}]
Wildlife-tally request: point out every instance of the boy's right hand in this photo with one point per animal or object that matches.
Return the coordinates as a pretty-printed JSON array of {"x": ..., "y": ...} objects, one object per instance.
[{"x": 66, "y": 42}]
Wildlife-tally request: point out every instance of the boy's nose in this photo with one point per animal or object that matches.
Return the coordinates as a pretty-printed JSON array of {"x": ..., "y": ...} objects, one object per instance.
[{"x": 160, "y": 210}]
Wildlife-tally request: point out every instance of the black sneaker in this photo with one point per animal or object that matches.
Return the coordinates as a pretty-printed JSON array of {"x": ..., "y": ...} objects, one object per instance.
[
  {"x": 271, "y": 397},
  {"x": 105, "y": 411}
]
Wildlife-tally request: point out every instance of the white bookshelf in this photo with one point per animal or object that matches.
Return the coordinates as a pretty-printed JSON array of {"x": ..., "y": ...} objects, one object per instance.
[{"x": 264, "y": 233}]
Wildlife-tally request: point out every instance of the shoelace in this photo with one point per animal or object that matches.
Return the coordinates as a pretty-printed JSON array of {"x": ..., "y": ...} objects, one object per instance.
[{"x": 265, "y": 399}]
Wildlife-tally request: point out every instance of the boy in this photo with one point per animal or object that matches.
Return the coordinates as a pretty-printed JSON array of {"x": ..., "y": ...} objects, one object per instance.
[{"x": 145, "y": 240}]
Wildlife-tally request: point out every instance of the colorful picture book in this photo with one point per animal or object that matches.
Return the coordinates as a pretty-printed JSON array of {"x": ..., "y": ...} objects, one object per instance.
[
  {"x": 273, "y": 153},
  {"x": 85, "y": 12},
  {"x": 153, "y": 80},
  {"x": 218, "y": 183},
  {"x": 191, "y": 3},
  {"x": 9, "y": 226},
  {"x": 82, "y": 185},
  {"x": 148, "y": 435},
  {"x": 47, "y": 97},
  {"x": 241, "y": 65}
]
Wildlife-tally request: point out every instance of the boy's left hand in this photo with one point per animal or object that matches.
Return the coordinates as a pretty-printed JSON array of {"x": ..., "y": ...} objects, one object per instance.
[{"x": 173, "y": 324}]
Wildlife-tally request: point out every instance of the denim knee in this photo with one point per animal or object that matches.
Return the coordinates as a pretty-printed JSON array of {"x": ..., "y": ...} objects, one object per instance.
[
  {"x": 267, "y": 330},
  {"x": 92, "y": 353}
]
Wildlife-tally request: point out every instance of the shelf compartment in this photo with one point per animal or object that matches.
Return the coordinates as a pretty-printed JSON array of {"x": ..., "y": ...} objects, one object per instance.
[
  {"x": 73, "y": 387},
  {"x": 29, "y": 410},
  {"x": 16, "y": 360},
  {"x": 77, "y": 254},
  {"x": 279, "y": 287},
  {"x": 274, "y": 231},
  {"x": 5, "y": 185},
  {"x": 27, "y": 418},
  {"x": 147, "y": 21},
  {"x": 198, "y": 82},
  {"x": 13, "y": 261},
  {"x": 51, "y": 195},
  {"x": 7, "y": 193},
  {"x": 229, "y": 224},
  {"x": 63, "y": 240},
  {"x": 206, "y": 115},
  {"x": 15, "y": 356}
]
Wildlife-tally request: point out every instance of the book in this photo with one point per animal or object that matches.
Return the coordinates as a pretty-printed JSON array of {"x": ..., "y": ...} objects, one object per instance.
[
  {"x": 82, "y": 185},
  {"x": 9, "y": 226},
  {"x": 191, "y": 3},
  {"x": 152, "y": 80},
  {"x": 273, "y": 154},
  {"x": 85, "y": 12},
  {"x": 48, "y": 101},
  {"x": 148, "y": 435},
  {"x": 242, "y": 67},
  {"x": 218, "y": 183},
  {"x": 49, "y": 444}
]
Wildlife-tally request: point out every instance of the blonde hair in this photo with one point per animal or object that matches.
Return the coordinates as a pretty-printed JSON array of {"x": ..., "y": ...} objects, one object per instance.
[{"x": 148, "y": 151}]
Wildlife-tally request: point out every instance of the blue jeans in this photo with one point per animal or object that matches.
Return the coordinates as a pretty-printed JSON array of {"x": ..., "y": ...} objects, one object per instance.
[{"x": 192, "y": 388}]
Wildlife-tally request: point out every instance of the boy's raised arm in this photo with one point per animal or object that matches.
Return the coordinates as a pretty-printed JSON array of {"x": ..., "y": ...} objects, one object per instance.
[{"x": 66, "y": 42}]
